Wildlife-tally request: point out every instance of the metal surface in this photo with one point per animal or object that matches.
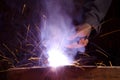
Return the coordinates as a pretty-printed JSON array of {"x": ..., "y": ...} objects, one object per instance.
[{"x": 64, "y": 73}]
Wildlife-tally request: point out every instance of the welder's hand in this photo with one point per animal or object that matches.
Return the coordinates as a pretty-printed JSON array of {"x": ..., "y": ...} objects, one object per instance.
[{"x": 83, "y": 31}]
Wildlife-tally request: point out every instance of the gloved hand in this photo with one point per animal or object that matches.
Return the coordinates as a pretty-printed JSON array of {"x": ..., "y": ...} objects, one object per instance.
[{"x": 83, "y": 31}]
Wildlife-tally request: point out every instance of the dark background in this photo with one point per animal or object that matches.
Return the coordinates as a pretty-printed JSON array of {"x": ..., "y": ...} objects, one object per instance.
[
  {"x": 14, "y": 28},
  {"x": 111, "y": 26}
]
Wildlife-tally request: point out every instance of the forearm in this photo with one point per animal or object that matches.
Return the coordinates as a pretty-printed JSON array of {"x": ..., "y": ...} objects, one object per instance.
[{"x": 95, "y": 10}]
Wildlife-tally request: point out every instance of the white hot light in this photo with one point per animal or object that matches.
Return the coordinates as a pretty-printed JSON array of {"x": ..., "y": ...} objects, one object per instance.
[{"x": 57, "y": 58}]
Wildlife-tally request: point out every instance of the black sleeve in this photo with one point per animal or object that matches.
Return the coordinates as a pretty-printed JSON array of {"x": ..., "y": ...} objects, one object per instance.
[{"x": 95, "y": 10}]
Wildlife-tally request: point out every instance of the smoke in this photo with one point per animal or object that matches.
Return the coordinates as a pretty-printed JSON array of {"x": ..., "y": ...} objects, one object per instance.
[{"x": 56, "y": 28}]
